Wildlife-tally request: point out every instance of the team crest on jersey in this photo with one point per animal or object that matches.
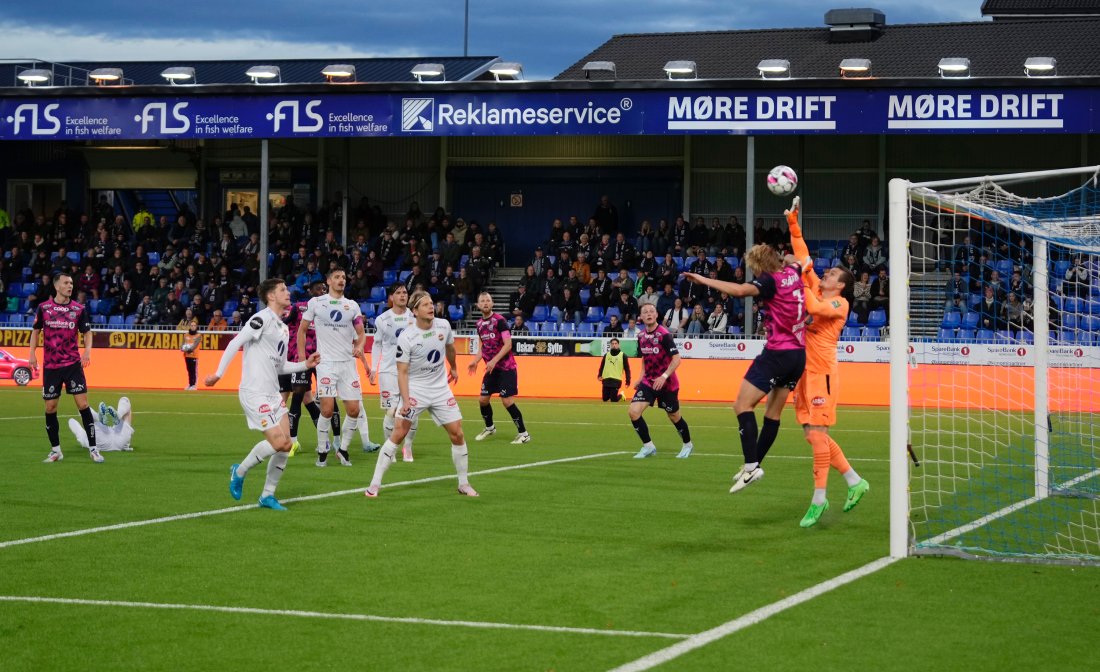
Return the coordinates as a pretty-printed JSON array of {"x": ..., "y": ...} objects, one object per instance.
[
  {"x": 263, "y": 423},
  {"x": 439, "y": 336},
  {"x": 818, "y": 401},
  {"x": 412, "y": 402},
  {"x": 355, "y": 384},
  {"x": 452, "y": 402},
  {"x": 385, "y": 394},
  {"x": 326, "y": 381},
  {"x": 264, "y": 408}
]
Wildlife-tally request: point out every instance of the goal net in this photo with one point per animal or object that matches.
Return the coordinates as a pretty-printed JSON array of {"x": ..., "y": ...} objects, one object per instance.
[{"x": 995, "y": 367}]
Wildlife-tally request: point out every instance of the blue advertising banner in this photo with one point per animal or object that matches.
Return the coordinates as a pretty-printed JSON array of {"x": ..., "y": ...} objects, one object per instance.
[{"x": 833, "y": 111}]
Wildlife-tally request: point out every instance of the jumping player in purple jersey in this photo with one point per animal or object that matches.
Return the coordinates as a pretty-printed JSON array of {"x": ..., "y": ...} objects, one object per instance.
[
  {"x": 500, "y": 369},
  {"x": 61, "y": 320},
  {"x": 298, "y": 386},
  {"x": 775, "y": 372},
  {"x": 659, "y": 384}
]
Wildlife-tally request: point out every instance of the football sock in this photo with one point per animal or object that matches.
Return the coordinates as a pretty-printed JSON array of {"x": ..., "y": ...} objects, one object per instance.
[
  {"x": 124, "y": 409},
  {"x": 840, "y": 463},
  {"x": 385, "y": 459},
  {"x": 336, "y": 430},
  {"x": 820, "y": 443},
  {"x": 517, "y": 417},
  {"x": 642, "y": 428},
  {"x": 682, "y": 427},
  {"x": 364, "y": 425},
  {"x": 461, "y": 457},
  {"x": 259, "y": 453},
  {"x": 53, "y": 431},
  {"x": 314, "y": 410},
  {"x": 295, "y": 412},
  {"x": 323, "y": 425},
  {"x": 387, "y": 423},
  {"x": 767, "y": 437},
  {"x": 746, "y": 423},
  {"x": 351, "y": 424},
  {"x": 412, "y": 432},
  {"x": 819, "y": 496},
  {"x": 275, "y": 467},
  {"x": 78, "y": 431},
  {"x": 487, "y": 414},
  {"x": 89, "y": 426}
]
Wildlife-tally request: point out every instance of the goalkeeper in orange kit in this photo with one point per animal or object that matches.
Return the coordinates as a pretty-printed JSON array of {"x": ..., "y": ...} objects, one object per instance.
[{"x": 815, "y": 397}]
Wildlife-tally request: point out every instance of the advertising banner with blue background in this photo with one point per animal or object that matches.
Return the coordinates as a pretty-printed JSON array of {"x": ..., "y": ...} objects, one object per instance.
[{"x": 340, "y": 115}]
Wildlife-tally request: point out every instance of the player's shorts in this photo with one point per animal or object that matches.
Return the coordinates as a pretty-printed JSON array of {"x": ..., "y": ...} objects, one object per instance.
[
  {"x": 776, "y": 368},
  {"x": 70, "y": 377},
  {"x": 285, "y": 383},
  {"x": 339, "y": 379},
  {"x": 117, "y": 438},
  {"x": 262, "y": 411},
  {"x": 302, "y": 378},
  {"x": 500, "y": 382},
  {"x": 440, "y": 402},
  {"x": 389, "y": 394},
  {"x": 815, "y": 399},
  {"x": 666, "y": 400}
]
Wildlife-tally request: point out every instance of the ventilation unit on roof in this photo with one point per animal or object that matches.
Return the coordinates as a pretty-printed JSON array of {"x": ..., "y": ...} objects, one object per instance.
[{"x": 854, "y": 25}]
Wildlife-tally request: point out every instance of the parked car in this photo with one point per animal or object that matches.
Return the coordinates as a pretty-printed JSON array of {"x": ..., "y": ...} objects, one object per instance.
[{"x": 16, "y": 369}]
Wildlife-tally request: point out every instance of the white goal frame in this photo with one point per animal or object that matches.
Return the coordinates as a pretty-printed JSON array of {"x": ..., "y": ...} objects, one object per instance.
[{"x": 900, "y": 271}]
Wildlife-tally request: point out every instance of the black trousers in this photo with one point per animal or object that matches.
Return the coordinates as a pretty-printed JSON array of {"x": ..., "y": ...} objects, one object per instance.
[
  {"x": 611, "y": 388},
  {"x": 192, "y": 370}
]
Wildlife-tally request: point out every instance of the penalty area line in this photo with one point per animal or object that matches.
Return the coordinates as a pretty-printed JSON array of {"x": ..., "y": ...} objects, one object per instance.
[
  {"x": 304, "y": 498},
  {"x": 701, "y": 639},
  {"x": 337, "y": 616}
]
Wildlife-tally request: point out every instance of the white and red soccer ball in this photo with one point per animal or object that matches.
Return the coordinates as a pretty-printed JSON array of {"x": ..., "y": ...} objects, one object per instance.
[{"x": 782, "y": 180}]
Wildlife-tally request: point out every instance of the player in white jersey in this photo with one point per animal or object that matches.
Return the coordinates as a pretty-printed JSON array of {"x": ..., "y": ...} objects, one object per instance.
[
  {"x": 264, "y": 339},
  {"x": 425, "y": 367},
  {"x": 114, "y": 428},
  {"x": 387, "y": 328},
  {"x": 338, "y": 326}
]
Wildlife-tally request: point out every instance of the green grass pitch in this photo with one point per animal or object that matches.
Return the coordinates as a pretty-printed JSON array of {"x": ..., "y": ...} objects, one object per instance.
[{"x": 611, "y": 558}]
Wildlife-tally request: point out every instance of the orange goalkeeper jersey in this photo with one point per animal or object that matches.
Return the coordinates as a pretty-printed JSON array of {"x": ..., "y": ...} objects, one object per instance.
[{"x": 827, "y": 316}]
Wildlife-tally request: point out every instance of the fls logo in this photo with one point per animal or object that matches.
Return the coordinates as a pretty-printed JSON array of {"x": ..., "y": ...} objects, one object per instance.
[
  {"x": 158, "y": 112},
  {"x": 29, "y": 113},
  {"x": 417, "y": 114},
  {"x": 288, "y": 109}
]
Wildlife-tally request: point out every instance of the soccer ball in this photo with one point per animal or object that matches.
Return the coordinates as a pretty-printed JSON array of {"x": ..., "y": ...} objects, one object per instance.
[{"x": 782, "y": 180}]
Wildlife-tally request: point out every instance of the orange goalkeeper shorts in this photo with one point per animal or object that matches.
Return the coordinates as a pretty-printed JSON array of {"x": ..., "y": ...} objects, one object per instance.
[{"x": 815, "y": 399}]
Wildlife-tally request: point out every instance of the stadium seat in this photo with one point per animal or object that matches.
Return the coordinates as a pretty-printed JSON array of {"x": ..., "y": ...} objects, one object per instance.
[
  {"x": 462, "y": 262},
  {"x": 734, "y": 262},
  {"x": 853, "y": 319},
  {"x": 1060, "y": 268},
  {"x": 613, "y": 310},
  {"x": 536, "y": 327},
  {"x": 984, "y": 336},
  {"x": 99, "y": 320},
  {"x": 555, "y": 315},
  {"x": 586, "y": 329},
  {"x": 115, "y": 321},
  {"x": 851, "y": 334},
  {"x": 1026, "y": 337},
  {"x": 821, "y": 265},
  {"x": 972, "y": 300},
  {"x": 456, "y": 312},
  {"x": 876, "y": 319},
  {"x": 1069, "y": 321},
  {"x": 568, "y": 329},
  {"x": 947, "y": 335},
  {"x": 733, "y": 330},
  {"x": 154, "y": 258},
  {"x": 965, "y": 335},
  {"x": 1093, "y": 322},
  {"x": 585, "y": 295},
  {"x": 951, "y": 320},
  {"x": 74, "y": 257},
  {"x": 404, "y": 275},
  {"x": 389, "y": 277},
  {"x": 131, "y": 320},
  {"x": 106, "y": 306},
  {"x": 541, "y": 314},
  {"x": 28, "y": 273},
  {"x": 367, "y": 308},
  {"x": 971, "y": 320},
  {"x": 1074, "y": 305},
  {"x": 229, "y": 307},
  {"x": 378, "y": 293},
  {"x": 1004, "y": 268},
  {"x": 827, "y": 253},
  {"x": 595, "y": 314},
  {"x": 1004, "y": 336}
]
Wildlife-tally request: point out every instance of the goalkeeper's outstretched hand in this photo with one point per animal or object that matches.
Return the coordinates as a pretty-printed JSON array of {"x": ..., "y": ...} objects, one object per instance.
[
  {"x": 796, "y": 202},
  {"x": 792, "y": 217}
]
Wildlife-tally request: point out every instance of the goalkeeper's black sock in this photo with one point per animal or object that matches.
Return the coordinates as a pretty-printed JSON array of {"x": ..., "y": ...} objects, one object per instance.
[
  {"x": 487, "y": 414},
  {"x": 314, "y": 410},
  {"x": 517, "y": 417},
  {"x": 53, "y": 430},
  {"x": 767, "y": 437},
  {"x": 746, "y": 423},
  {"x": 89, "y": 426},
  {"x": 642, "y": 428}
]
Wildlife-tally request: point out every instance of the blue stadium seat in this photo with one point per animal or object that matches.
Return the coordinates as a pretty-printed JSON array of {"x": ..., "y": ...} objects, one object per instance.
[
  {"x": 1004, "y": 336},
  {"x": 734, "y": 262},
  {"x": 131, "y": 320},
  {"x": 972, "y": 300},
  {"x": 99, "y": 320},
  {"x": 877, "y": 318},
  {"x": 585, "y": 295},
  {"x": 154, "y": 258},
  {"x": 951, "y": 320},
  {"x": 107, "y": 305},
  {"x": 827, "y": 253},
  {"x": 613, "y": 310},
  {"x": 367, "y": 308},
  {"x": 229, "y": 307},
  {"x": 1074, "y": 305},
  {"x": 595, "y": 314},
  {"x": 1004, "y": 268},
  {"x": 568, "y": 328},
  {"x": 965, "y": 335},
  {"x": 378, "y": 293},
  {"x": 541, "y": 314},
  {"x": 821, "y": 265},
  {"x": 389, "y": 277},
  {"x": 984, "y": 336},
  {"x": 535, "y": 327},
  {"x": 404, "y": 275},
  {"x": 462, "y": 262},
  {"x": 851, "y": 334},
  {"x": 115, "y": 321},
  {"x": 1069, "y": 321},
  {"x": 1026, "y": 337},
  {"x": 1093, "y": 322},
  {"x": 733, "y": 330},
  {"x": 586, "y": 329},
  {"x": 555, "y": 315},
  {"x": 456, "y": 312},
  {"x": 947, "y": 335},
  {"x": 74, "y": 257},
  {"x": 853, "y": 319},
  {"x": 971, "y": 320},
  {"x": 1060, "y": 268}
]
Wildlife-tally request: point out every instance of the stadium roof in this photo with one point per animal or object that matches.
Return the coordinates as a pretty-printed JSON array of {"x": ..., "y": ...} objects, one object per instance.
[
  {"x": 383, "y": 70},
  {"x": 995, "y": 49},
  {"x": 1010, "y": 9}
]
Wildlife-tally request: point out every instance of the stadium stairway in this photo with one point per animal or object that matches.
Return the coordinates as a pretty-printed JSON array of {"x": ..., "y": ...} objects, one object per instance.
[
  {"x": 926, "y": 303},
  {"x": 500, "y": 287}
]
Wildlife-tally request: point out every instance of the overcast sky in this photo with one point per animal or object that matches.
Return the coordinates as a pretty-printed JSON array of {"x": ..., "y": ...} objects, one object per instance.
[{"x": 547, "y": 36}]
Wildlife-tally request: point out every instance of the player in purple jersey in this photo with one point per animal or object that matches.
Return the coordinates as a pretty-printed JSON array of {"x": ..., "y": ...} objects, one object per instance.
[
  {"x": 299, "y": 386},
  {"x": 776, "y": 370},
  {"x": 659, "y": 383},
  {"x": 500, "y": 369},
  {"x": 60, "y": 320}
]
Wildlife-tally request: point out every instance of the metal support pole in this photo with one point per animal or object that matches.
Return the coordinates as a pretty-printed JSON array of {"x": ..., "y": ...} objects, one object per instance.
[{"x": 265, "y": 201}]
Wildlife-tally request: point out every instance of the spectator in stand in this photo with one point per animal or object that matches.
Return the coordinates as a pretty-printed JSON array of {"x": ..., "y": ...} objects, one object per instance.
[
  {"x": 173, "y": 310},
  {"x": 851, "y": 264},
  {"x": 622, "y": 282},
  {"x": 494, "y": 244},
  {"x": 866, "y": 233},
  {"x": 306, "y": 278},
  {"x": 463, "y": 289},
  {"x": 623, "y": 254},
  {"x": 42, "y": 291},
  {"x": 650, "y": 265},
  {"x": 626, "y": 305},
  {"x": 373, "y": 268},
  {"x": 450, "y": 251},
  {"x": 601, "y": 290},
  {"x": 679, "y": 242},
  {"x": 957, "y": 304},
  {"x": 460, "y": 231},
  {"x": 197, "y": 309},
  {"x": 880, "y": 291},
  {"x": 644, "y": 240},
  {"x": 614, "y": 328},
  {"x": 539, "y": 263},
  {"x": 522, "y": 303},
  {"x": 445, "y": 285},
  {"x": 89, "y": 282},
  {"x": 718, "y": 320},
  {"x": 555, "y": 236},
  {"x": 586, "y": 247},
  {"x": 1076, "y": 280},
  {"x": 956, "y": 286},
  {"x": 217, "y": 322},
  {"x": 697, "y": 323},
  {"x": 1018, "y": 285},
  {"x": 1012, "y": 312},
  {"x": 569, "y": 304},
  {"x": 874, "y": 257},
  {"x": 668, "y": 273},
  {"x": 997, "y": 283},
  {"x": 676, "y": 318},
  {"x": 853, "y": 248},
  {"x": 186, "y": 320},
  {"x": 129, "y": 299},
  {"x": 989, "y": 311},
  {"x": 519, "y": 326},
  {"x": 359, "y": 287},
  {"x": 549, "y": 288},
  {"x": 606, "y": 216},
  {"x": 631, "y": 329},
  {"x": 723, "y": 270},
  {"x": 584, "y": 271},
  {"x": 701, "y": 264},
  {"x": 147, "y": 313},
  {"x": 966, "y": 256}
]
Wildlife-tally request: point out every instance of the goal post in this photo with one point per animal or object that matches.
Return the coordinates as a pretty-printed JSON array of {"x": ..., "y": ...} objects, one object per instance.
[{"x": 994, "y": 334}]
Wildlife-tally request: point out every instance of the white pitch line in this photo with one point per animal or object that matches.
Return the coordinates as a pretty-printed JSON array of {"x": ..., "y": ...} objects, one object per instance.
[
  {"x": 752, "y": 618},
  {"x": 305, "y": 498},
  {"x": 345, "y": 617}
]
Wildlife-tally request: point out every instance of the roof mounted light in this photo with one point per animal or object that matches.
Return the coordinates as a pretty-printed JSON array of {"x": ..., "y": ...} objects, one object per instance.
[
  {"x": 774, "y": 68},
  {"x": 35, "y": 76},
  {"x": 340, "y": 71},
  {"x": 432, "y": 72},
  {"x": 854, "y": 68},
  {"x": 103, "y": 76},
  {"x": 681, "y": 70},
  {"x": 263, "y": 74},
  {"x": 1041, "y": 66},
  {"x": 954, "y": 67},
  {"x": 599, "y": 66},
  {"x": 507, "y": 72},
  {"x": 179, "y": 74}
]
